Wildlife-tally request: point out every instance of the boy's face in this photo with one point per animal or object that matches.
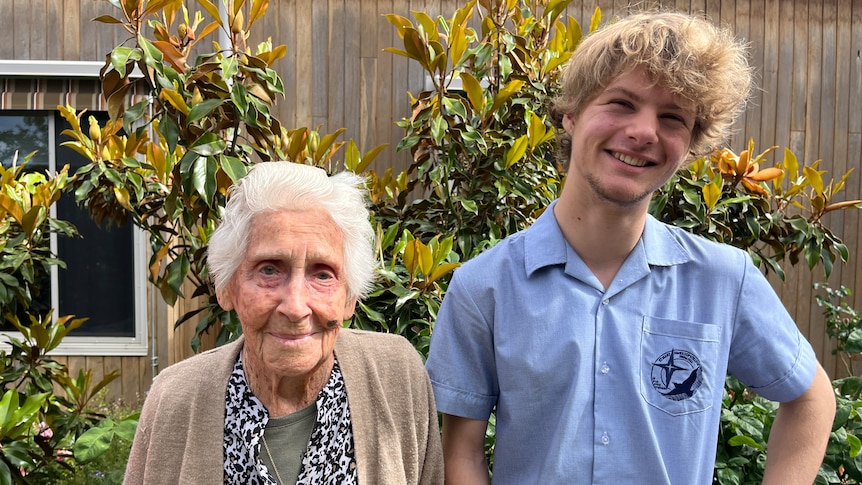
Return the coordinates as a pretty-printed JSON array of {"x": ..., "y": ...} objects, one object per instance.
[{"x": 629, "y": 140}]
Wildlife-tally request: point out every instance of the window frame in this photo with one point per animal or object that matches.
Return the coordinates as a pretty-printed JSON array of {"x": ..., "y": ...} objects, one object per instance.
[{"x": 138, "y": 345}]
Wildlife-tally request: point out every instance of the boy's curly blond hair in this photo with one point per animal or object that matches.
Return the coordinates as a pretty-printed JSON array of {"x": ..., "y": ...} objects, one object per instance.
[{"x": 698, "y": 61}]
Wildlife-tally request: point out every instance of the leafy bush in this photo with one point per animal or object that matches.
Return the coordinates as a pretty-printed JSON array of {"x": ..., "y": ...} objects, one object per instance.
[
  {"x": 843, "y": 322},
  {"x": 102, "y": 452},
  {"x": 207, "y": 120},
  {"x": 43, "y": 409}
]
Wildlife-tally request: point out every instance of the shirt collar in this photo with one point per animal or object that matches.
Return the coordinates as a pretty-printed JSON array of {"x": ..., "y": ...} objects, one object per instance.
[{"x": 546, "y": 246}]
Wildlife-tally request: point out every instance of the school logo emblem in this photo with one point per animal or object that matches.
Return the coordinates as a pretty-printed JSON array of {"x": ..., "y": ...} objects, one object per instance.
[{"x": 677, "y": 374}]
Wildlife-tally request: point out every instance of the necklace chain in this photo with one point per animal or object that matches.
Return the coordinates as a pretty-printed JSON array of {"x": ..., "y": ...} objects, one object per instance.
[{"x": 271, "y": 460}]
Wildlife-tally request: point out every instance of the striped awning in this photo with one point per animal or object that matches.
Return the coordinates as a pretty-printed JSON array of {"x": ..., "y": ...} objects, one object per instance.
[{"x": 43, "y": 93}]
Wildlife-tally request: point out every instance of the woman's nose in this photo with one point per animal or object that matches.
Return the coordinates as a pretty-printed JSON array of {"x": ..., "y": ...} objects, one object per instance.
[{"x": 295, "y": 299}]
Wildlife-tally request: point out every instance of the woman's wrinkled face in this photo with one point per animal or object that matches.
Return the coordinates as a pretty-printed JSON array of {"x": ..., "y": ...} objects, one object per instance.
[{"x": 289, "y": 292}]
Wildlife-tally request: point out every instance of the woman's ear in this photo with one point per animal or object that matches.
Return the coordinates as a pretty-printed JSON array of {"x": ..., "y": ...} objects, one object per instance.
[
  {"x": 349, "y": 307},
  {"x": 224, "y": 297}
]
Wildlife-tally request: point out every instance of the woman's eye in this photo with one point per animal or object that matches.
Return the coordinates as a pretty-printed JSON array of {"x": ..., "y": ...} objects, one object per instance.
[
  {"x": 268, "y": 270},
  {"x": 324, "y": 275},
  {"x": 621, "y": 102}
]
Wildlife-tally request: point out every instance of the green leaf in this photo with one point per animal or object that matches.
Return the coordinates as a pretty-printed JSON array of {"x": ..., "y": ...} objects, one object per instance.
[
  {"x": 438, "y": 129},
  {"x": 203, "y": 177},
  {"x": 8, "y": 404},
  {"x": 176, "y": 273},
  {"x": 209, "y": 144},
  {"x": 855, "y": 445},
  {"x": 93, "y": 444},
  {"x": 745, "y": 440},
  {"x": 170, "y": 132},
  {"x": 121, "y": 56},
  {"x": 469, "y": 205},
  {"x": 234, "y": 168},
  {"x": 455, "y": 106},
  {"x": 5, "y": 474},
  {"x": 202, "y": 109},
  {"x": 372, "y": 314},
  {"x": 126, "y": 429}
]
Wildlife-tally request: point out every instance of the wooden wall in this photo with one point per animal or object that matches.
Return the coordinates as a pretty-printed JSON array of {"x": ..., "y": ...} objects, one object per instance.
[{"x": 808, "y": 54}]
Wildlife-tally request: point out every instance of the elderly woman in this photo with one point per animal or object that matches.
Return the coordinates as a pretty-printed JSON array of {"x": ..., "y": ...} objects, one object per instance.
[{"x": 297, "y": 399}]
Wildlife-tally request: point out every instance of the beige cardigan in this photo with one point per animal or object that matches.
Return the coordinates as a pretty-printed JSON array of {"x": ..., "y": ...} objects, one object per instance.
[{"x": 181, "y": 429}]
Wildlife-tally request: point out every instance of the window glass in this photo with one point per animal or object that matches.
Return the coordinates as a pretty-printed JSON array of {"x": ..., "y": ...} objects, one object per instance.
[
  {"x": 25, "y": 133},
  {"x": 98, "y": 281}
]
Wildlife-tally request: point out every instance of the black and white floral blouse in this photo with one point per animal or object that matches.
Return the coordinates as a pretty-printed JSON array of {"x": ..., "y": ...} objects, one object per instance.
[{"x": 330, "y": 457}]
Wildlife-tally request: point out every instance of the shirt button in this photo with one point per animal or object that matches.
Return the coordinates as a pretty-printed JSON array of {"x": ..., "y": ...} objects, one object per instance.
[
  {"x": 605, "y": 302},
  {"x": 606, "y": 439},
  {"x": 605, "y": 368}
]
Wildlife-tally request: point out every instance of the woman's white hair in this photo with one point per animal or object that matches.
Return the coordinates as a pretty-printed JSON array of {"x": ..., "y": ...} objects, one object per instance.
[{"x": 274, "y": 186}]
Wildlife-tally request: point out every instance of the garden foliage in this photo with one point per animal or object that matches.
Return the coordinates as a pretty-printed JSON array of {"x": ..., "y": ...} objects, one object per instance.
[
  {"x": 167, "y": 161},
  {"x": 44, "y": 410}
]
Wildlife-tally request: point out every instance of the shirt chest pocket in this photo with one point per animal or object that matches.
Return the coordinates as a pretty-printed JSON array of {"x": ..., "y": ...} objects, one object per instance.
[{"x": 678, "y": 363}]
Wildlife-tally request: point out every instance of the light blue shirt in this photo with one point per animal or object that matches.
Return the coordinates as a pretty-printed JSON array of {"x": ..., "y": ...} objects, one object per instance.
[{"x": 612, "y": 386}]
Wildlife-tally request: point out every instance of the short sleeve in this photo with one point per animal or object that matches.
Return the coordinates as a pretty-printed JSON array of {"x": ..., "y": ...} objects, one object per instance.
[
  {"x": 461, "y": 359},
  {"x": 768, "y": 353}
]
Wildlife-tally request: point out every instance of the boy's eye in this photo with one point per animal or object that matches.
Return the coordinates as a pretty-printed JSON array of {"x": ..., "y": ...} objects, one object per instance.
[
  {"x": 676, "y": 118},
  {"x": 621, "y": 102}
]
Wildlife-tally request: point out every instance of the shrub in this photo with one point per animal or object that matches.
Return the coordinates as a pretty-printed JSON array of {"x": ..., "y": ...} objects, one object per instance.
[{"x": 43, "y": 409}]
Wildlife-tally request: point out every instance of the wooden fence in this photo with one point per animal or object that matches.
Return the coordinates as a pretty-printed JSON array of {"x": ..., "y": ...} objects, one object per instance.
[{"x": 336, "y": 74}]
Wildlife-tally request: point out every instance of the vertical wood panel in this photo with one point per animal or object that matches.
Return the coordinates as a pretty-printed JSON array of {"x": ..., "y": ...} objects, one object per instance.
[
  {"x": 115, "y": 388},
  {"x": 132, "y": 379},
  {"x": 336, "y": 82},
  {"x": 7, "y": 23},
  {"x": 305, "y": 60},
  {"x": 750, "y": 25},
  {"x": 814, "y": 67},
  {"x": 853, "y": 275},
  {"x": 784, "y": 82},
  {"x": 21, "y": 28},
  {"x": 321, "y": 60},
  {"x": 71, "y": 30},
  {"x": 54, "y": 37},
  {"x": 766, "y": 113},
  {"x": 287, "y": 35},
  {"x": 384, "y": 114},
  {"x": 800, "y": 71},
  {"x": 37, "y": 35},
  {"x": 368, "y": 30},
  {"x": 367, "y": 101},
  {"x": 368, "y": 75},
  {"x": 353, "y": 74},
  {"x": 91, "y": 33}
]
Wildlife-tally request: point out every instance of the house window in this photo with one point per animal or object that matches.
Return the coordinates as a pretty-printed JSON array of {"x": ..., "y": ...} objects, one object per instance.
[{"x": 104, "y": 277}]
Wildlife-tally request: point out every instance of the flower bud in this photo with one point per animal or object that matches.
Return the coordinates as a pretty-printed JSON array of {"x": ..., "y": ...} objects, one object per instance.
[
  {"x": 95, "y": 130},
  {"x": 237, "y": 24}
]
